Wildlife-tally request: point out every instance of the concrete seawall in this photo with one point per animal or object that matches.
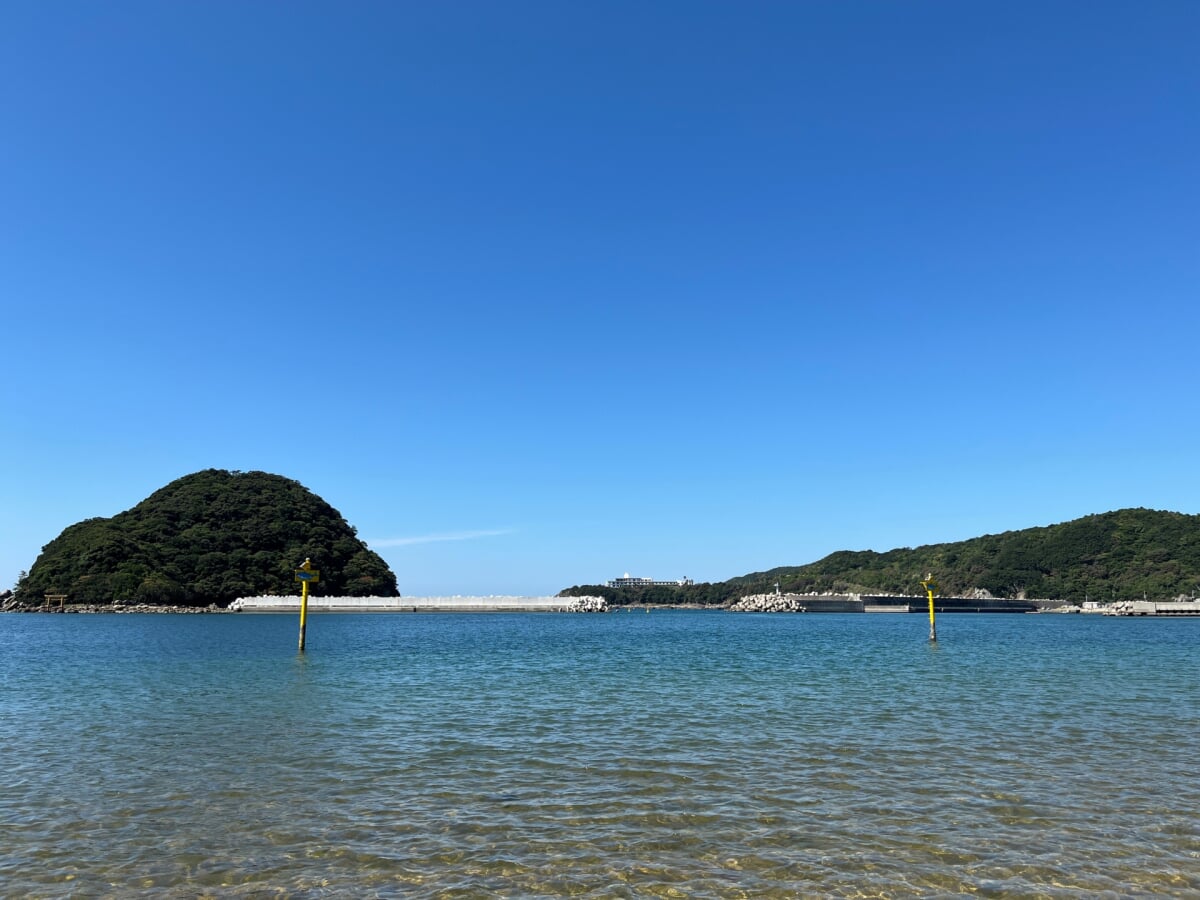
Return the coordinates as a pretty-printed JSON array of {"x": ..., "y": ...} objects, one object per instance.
[
  {"x": 411, "y": 604},
  {"x": 1153, "y": 608}
]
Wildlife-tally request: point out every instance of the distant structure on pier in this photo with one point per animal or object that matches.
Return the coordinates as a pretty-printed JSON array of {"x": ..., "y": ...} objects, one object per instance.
[{"x": 629, "y": 581}]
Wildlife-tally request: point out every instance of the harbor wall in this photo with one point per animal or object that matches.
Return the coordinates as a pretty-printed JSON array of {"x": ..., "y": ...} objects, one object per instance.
[
  {"x": 918, "y": 604},
  {"x": 408, "y": 604},
  {"x": 1153, "y": 608}
]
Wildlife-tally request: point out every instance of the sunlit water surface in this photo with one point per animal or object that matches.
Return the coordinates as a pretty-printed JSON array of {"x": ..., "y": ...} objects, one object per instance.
[{"x": 673, "y": 754}]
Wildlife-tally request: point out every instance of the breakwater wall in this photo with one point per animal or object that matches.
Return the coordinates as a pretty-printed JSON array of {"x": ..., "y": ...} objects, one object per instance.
[
  {"x": 877, "y": 603},
  {"x": 917, "y": 604},
  {"x": 798, "y": 603},
  {"x": 420, "y": 604},
  {"x": 1152, "y": 608}
]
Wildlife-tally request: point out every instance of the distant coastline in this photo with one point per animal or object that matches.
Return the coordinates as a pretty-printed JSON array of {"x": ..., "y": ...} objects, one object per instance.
[{"x": 755, "y": 604}]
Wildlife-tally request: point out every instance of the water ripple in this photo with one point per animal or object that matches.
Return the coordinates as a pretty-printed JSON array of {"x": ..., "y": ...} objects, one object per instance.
[{"x": 671, "y": 755}]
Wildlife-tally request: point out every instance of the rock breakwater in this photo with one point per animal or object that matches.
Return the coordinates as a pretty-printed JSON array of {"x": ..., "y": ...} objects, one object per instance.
[
  {"x": 769, "y": 603},
  {"x": 588, "y": 605}
]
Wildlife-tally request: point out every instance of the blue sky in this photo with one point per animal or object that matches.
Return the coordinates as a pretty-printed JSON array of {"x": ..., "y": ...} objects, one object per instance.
[{"x": 540, "y": 293}]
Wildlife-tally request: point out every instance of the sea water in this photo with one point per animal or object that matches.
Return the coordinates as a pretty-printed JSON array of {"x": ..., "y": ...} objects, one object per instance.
[{"x": 662, "y": 754}]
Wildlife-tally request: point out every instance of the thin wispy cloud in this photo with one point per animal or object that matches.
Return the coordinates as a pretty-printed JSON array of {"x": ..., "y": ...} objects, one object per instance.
[{"x": 436, "y": 538}]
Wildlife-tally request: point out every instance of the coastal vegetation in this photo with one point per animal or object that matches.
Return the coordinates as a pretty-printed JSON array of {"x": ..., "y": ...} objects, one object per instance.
[
  {"x": 209, "y": 537},
  {"x": 1120, "y": 555}
]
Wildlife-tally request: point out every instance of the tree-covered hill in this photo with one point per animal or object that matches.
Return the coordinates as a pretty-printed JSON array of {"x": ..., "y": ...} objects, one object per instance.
[
  {"x": 209, "y": 537},
  {"x": 1114, "y": 555},
  {"x": 1117, "y": 555}
]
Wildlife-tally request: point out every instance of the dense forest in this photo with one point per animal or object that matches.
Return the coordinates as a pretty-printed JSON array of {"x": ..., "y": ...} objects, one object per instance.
[
  {"x": 209, "y": 537},
  {"x": 1121, "y": 555}
]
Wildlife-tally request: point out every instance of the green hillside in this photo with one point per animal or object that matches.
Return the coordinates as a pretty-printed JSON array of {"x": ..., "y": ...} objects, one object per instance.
[
  {"x": 1117, "y": 555},
  {"x": 209, "y": 537}
]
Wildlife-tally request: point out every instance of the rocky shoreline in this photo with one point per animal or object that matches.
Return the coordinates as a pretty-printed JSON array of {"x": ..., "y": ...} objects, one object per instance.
[{"x": 103, "y": 608}]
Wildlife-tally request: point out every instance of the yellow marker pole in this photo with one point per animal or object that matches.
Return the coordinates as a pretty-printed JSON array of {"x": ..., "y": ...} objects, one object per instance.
[
  {"x": 929, "y": 585},
  {"x": 304, "y": 575},
  {"x": 303, "y": 611}
]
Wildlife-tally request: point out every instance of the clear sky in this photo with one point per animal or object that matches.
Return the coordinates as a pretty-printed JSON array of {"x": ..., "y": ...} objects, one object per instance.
[{"x": 539, "y": 293}]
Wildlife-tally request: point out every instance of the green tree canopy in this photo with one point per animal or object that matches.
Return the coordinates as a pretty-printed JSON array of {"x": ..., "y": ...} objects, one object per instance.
[{"x": 1117, "y": 555}]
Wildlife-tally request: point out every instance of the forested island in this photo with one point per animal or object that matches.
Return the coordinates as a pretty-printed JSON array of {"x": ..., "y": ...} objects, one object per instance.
[
  {"x": 207, "y": 538},
  {"x": 1120, "y": 555}
]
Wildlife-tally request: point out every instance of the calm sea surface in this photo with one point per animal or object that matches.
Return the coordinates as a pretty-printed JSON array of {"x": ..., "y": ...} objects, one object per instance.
[{"x": 669, "y": 754}]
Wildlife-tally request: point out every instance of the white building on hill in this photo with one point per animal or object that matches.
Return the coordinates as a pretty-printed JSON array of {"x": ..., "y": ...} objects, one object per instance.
[{"x": 629, "y": 581}]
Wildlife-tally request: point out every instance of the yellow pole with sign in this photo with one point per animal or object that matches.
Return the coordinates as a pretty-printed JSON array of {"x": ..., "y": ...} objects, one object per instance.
[
  {"x": 929, "y": 586},
  {"x": 303, "y": 611},
  {"x": 304, "y": 575}
]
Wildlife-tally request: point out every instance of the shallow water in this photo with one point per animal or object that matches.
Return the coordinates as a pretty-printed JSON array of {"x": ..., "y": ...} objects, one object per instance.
[{"x": 671, "y": 754}]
